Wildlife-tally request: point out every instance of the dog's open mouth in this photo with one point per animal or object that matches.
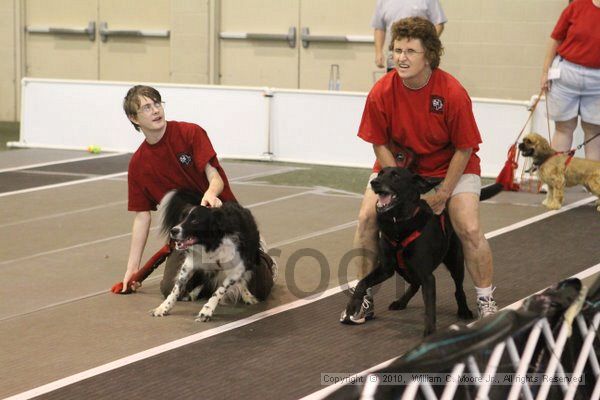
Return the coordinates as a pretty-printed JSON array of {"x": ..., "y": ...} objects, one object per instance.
[
  {"x": 184, "y": 244},
  {"x": 385, "y": 200}
]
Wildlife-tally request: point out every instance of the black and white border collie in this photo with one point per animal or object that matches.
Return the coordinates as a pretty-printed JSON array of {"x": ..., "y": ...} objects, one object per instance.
[{"x": 222, "y": 245}]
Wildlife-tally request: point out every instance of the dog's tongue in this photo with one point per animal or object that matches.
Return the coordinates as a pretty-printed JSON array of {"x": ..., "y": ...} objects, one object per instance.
[
  {"x": 384, "y": 199},
  {"x": 184, "y": 244}
]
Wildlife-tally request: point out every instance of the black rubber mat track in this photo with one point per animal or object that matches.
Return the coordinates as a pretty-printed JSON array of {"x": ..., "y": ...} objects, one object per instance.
[{"x": 283, "y": 356}]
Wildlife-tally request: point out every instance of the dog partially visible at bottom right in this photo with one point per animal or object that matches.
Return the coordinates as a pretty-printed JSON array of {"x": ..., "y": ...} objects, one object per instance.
[{"x": 560, "y": 169}]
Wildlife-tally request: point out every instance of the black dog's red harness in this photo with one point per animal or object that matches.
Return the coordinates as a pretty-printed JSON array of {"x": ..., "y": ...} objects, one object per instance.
[{"x": 401, "y": 244}]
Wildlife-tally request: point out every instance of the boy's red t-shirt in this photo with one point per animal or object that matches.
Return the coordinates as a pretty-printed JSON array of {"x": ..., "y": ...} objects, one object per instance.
[
  {"x": 177, "y": 161},
  {"x": 432, "y": 122}
]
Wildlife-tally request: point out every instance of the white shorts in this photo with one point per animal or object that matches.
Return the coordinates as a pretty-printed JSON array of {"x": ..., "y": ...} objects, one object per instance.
[
  {"x": 468, "y": 183},
  {"x": 575, "y": 92}
]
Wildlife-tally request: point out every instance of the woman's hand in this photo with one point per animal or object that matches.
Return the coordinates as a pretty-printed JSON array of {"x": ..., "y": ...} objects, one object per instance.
[
  {"x": 437, "y": 201},
  {"x": 545, "y": 82},
  {"x": 380, "y": 59}
]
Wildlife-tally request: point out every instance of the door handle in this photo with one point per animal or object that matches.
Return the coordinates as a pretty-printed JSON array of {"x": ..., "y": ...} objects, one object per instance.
[
  {"x": 105, "y": 32},
  {"x": 290, "y": 37},
  {"x": 307, "y": 38},
  {"x": 90, "y": 30}
]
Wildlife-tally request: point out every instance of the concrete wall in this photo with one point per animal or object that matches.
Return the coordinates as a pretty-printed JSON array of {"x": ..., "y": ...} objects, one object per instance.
[
  {"x": 8, "y": 60},
  {"x": 494, "y": 47}
]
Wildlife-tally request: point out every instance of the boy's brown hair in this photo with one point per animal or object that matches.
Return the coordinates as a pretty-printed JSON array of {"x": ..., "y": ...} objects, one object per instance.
[
  {"x": 423, "y": 29},
  {"x": 131, "y": 103}
]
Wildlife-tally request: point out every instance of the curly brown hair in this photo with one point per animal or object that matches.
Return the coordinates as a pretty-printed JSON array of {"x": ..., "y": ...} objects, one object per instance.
[
  {"x": 423, "y": 29},
  {"x": 131, "y": 102}
]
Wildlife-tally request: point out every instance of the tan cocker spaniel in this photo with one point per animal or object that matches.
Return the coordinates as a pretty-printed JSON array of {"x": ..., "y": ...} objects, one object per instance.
[{"x": 559, "y": 169}]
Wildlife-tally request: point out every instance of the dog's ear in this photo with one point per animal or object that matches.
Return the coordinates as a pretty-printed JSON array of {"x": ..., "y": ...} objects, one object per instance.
[{"x": 423, "y": 185}]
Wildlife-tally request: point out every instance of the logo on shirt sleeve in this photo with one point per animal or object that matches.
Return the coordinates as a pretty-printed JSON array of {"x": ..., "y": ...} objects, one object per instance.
[
  {"x": 437, "y": 104},
  {"x": 184, "y": 158}
]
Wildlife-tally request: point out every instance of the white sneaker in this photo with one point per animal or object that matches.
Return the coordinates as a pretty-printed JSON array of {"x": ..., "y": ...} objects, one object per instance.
[{"x": 486, "y": 306}]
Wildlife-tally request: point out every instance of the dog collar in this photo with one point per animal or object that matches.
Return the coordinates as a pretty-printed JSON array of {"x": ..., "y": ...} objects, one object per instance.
[{"x": 401, "y": 243}]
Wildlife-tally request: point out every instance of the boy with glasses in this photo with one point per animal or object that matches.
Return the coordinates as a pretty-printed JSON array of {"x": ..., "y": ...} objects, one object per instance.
[{"x": 174, "y": 155}]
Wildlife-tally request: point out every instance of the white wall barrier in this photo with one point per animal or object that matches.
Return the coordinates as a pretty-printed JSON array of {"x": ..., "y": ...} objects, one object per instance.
[
  {"x": 75, "y": 114},
  {"x": 243, "y": 122}
]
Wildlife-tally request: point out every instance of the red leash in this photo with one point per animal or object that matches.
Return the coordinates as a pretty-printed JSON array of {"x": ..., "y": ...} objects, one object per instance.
[
  {"x": 154, "y": 262},
  {"x": 506, "y": 177}
]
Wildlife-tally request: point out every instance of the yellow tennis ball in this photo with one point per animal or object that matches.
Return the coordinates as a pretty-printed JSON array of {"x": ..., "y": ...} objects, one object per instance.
[{"x": 94, "y": 149}]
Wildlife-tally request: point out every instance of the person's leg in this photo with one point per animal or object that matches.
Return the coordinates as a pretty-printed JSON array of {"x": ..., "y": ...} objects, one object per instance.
[
  {"x": 562, "y": 140},
  {"x": 592, "y": 149},
  {"x": 365, "y": 237},
  {"x": 365, "y": 243},
  {"x": 464, "y": 214},
  {"x": 564, "y": 101},
  {"x": 463, "y": 209},
  {"x": 589, "y": 112}
]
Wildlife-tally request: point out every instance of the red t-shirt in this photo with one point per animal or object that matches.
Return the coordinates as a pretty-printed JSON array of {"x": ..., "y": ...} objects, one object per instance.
[
  {"x": 578, "y": 30},
  {"x": 432, "y": 122},
  {"x": 177, "y": 161}
]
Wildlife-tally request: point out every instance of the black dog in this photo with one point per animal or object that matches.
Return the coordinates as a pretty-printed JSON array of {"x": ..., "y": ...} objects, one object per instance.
[
  {"x": 413, "y": 242},
  {"x": 223, "y": 248}
]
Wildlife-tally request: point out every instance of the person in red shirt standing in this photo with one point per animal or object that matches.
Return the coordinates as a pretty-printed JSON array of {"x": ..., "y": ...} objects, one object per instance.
[
  {"x": 174, "y": 155},
  {"x": 571, "y": 76},
  {"x": 425, "y": 111}
]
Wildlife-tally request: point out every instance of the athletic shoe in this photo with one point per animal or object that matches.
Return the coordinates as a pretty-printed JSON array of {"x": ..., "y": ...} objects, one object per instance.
[
  {"x": 364, "y": 314},
  {"x": 486, "y": 306}
]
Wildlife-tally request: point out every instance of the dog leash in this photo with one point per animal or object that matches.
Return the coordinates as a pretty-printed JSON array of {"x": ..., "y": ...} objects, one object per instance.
[
  {"x": 571, "y": 153},
  {"x": 533, "y": 167},
  {"x": 531, "y": 111},
  {"x": 586, "y": 142}
]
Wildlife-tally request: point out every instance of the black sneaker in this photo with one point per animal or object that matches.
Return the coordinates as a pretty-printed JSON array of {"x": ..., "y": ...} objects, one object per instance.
[{"x": 364, "y": 314}]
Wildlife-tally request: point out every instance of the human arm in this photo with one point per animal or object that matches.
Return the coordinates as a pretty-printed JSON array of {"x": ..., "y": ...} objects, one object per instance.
[
  {"x": 139, "y": 236},
  {"x": 439, "y": 28},
  {"x": 458, "y": 163},
  {"x": 379, "y": 38},
  {"x": 215, "y": 187},
  {"x": 384, "y": 155},
  {"x": 550, "y": 54}
]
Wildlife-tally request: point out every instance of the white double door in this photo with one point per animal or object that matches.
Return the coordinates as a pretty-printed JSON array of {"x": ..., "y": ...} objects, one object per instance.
[
  {"x": 98, "y": 39},
  {"x": 339, "y": 34}
]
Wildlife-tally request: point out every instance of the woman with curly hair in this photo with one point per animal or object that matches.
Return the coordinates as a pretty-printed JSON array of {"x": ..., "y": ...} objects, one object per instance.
[{"x": 421, "y": 110}]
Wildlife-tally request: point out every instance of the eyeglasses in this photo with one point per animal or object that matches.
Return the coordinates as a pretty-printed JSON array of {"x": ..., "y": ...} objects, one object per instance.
[
  {"x": 148, "y": 108},
  {"x": 409, "y": 53}
]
